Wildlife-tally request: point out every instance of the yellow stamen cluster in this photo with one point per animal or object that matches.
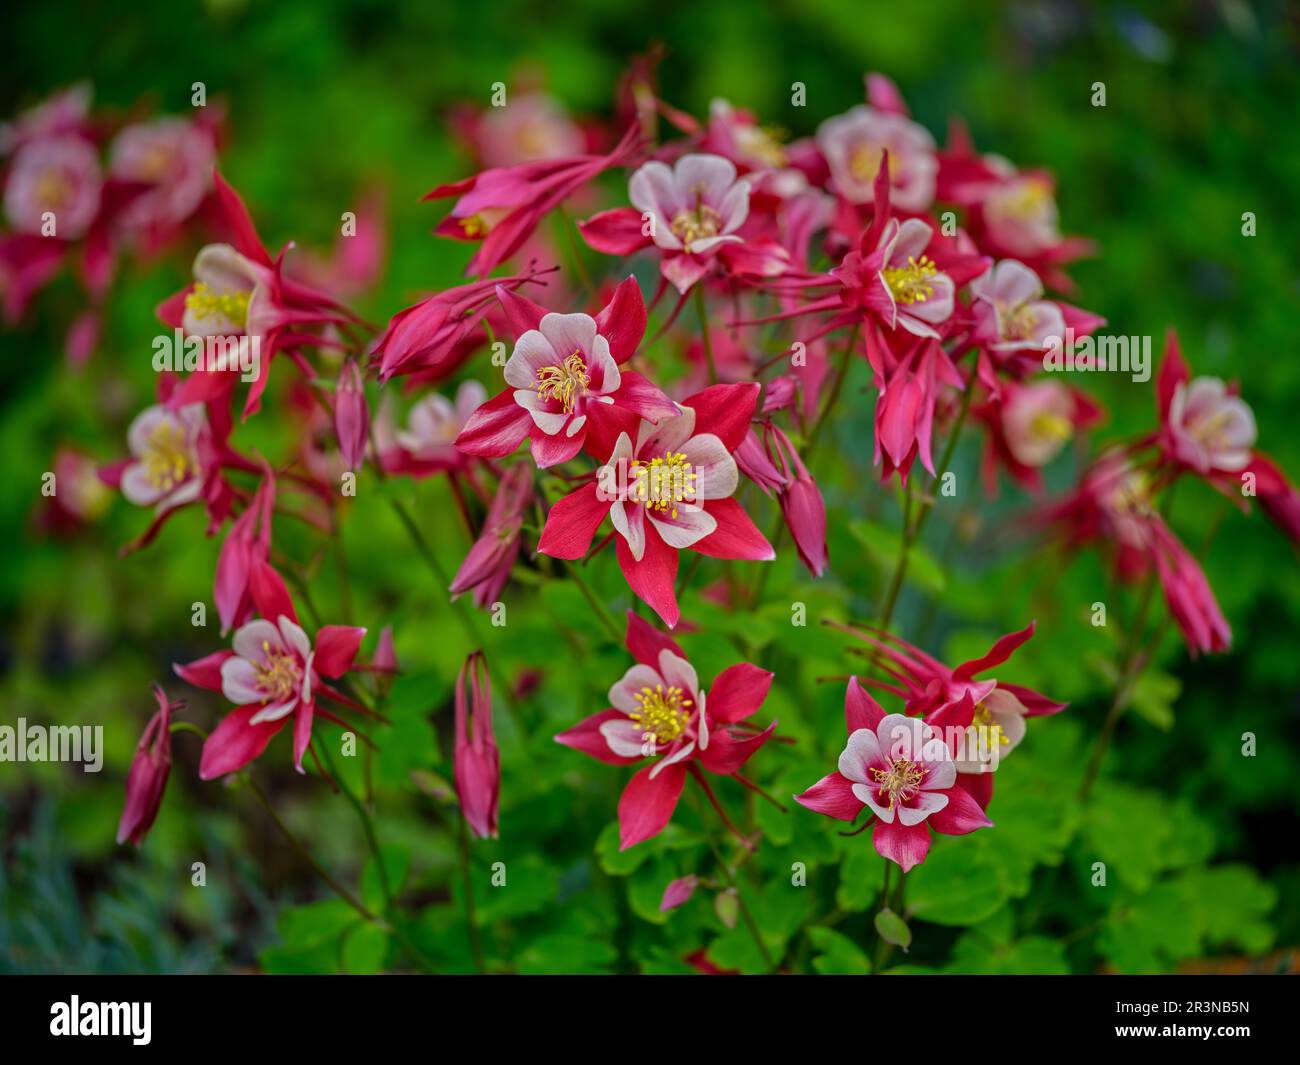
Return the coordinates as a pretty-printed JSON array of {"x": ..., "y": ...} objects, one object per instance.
[
  {"x": 662, "y": 483},
  {"x": 689, "y": 226},
  {"x": 565, "y": 382},
  {"x": 203, "y": 302},
  {"x": 989, "y": 732},
  {"x": 1030, "y": 199},
  {"x": 763, "y": 143},
  {"x": 900, "y": 782},
  {"x": 661, "y": 712},
  {"x": 474, "y": 226},
  {"x": 278, "y": 675},
  {"x": 1048, "y": 426},
  {"x": 911, "y": 283},
  {"x": 167, "y": 459},
  {"x": 53, "y": 189}
]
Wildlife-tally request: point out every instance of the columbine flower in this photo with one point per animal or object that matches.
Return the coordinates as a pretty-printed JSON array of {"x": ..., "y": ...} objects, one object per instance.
[
  {"x": 669, "y": 491},
  {"x": 1207, "y": 428},
  {"x": 947, "y": 697},
  {"x": 147, "y": 779},
  {"x": 164, "y": 443},
  {"x": 566, "y": 383},
  {"x": 858, "y": 143},
  {"x": 428, "y": 443},
  {"x": 57, "y": 177},
  {"x": 246, "y": 549},
  {"x": 900, "y": 769},
  {"x": 172, "y": 155},
  {"x": 658, "y": 710},
  {"x": 477, "y": 763},
  {"x": 695, "y": 207},
  {"x": 1028, "y": 426},
  {"x": 273, "y": 673},
  {"x": 534, "y": 126},
  {"x": 239, "y": 291}
]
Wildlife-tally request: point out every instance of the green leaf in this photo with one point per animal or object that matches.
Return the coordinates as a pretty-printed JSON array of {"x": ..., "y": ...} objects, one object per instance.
[
  {"x": 862, "y": 874},
  {"x": 397, "y": 863},
  {"x": 957, "y": 884},
  {"x": 1153, "y": 698},
  {"x": 364, "y": 949},
  {"x": 883, "y": 545},
  {"x": 567, "y": 955},
  {"x": 837, "y": 954}
]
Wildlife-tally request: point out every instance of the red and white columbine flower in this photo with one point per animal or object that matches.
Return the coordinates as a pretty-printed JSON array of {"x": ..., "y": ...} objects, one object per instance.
[
  {"x": 272, "y": 673},
  {"x": 857, "y": 143},
  {"x": 953, "y": 697},
  {"x": 669, "y": 491},
  {"x": 659, "y": 710},
  {"x": 901, "y": 770},
  {"x": 566, "y": 385},
  {"x": 165, "y": 470},
  {"x": 694, "y": 208},
  {"x": 54, "y": 180}
]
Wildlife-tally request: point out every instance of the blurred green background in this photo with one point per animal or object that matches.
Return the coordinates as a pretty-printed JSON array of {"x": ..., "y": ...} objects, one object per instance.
[{"x": 325, "y": 97}]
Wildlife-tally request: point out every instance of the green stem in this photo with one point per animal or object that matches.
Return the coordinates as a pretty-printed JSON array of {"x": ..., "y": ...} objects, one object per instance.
[
  {"x": 703, "y": 315},
  {"x": 367, "y": 823},
  {"x": 595, "y": 603},
  {"x": 912, "y": 528},
  {"x": 467, "y": 887},
  {"x": 307, "y": 856}
]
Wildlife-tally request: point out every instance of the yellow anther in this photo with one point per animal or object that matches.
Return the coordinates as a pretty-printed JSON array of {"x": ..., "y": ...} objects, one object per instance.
[
  {"x": 564, "y": 383},
  {"x": 203, "y": 303},
  {"x": 911, "y": 283}
]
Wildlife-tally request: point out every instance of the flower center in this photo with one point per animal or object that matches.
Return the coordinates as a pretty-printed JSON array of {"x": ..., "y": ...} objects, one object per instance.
[
  {"x": 763, "y": 144},
  {"x": 278, "y": 674},
  {"x": 53, "y": 189},
  {"x": 911, "y": 283},
  {"x": 988, "y": 731},
  {"x": 203, "y": 302},
  {"x": 1211, "y": 430},
  {"x": 864, "y": 162},
  {"x": 167, "y": 458},
  {"x": 474, "y": 226},
  {"x": 1048, "y": 426},
  {"x": 1018, "y": 322},
  {"x": 1130, "y": 496},
  {"x": 689, "y": 226},
  {"x": 564, "y": 383},
  {"x": 1029, "y": 200},
  {"x": 661, "y": 712},
  {"x": 900, "y": 782},
  {"x": 662, "y": 483}
]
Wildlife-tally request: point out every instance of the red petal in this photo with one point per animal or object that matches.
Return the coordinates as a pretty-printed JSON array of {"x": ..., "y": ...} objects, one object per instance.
[
  {"x": 622, "y": 320},
  {"x": 736, "y": 535},
  {"x": 653, "y": 580},
  {"x": 899, "y": 843},
  {"x": 646, "y": 805},
  {"x": 997, "y": 654},
  {"x": 961, "y": 815},
  {"x": 860, "y": 709},
  {"x": 585, "y": 737},
  {"x": 616, "y": 232},
  {"x": 728, "y": 751},
  {"x": 645, "y": 641},
  {"x": 737, "y": 692},
  {"x": 572, "y": 522},
  {"x": 832, "y": 796},
  {"x": 234, "y": 743},
  {"x": 243, "y": 232},
  {"x": 204, "y": 672},
  {"x": 270, "y": 596},
  {"x": 496, "y": 428},
  {"x": 336, "y": 647},
  {"x": 725, "y": 411}
]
